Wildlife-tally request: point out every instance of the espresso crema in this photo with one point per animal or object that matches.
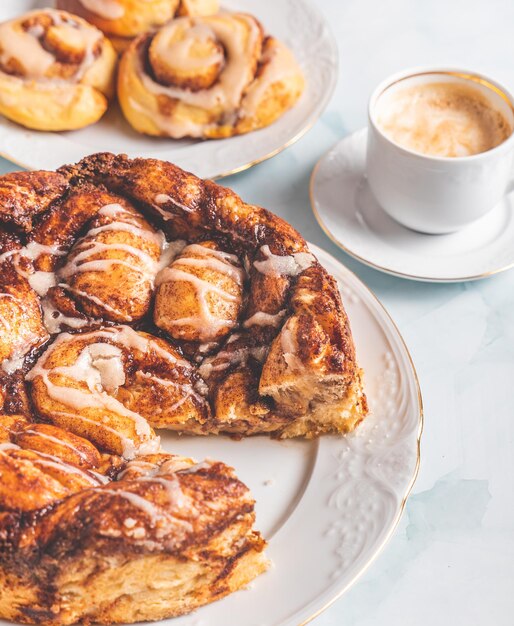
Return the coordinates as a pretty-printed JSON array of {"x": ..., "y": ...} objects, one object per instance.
[{"x": 443, "y": 119}]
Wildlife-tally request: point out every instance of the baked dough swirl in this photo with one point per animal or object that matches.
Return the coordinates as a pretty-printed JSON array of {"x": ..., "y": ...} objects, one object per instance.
[
  {"x": 207, "y": 77},
  {"x": 135, "y": 296},
  {"x": 87, "y": 537},
  {"x": 122, "y": 20},
  {"x": 56, "y": 71}
]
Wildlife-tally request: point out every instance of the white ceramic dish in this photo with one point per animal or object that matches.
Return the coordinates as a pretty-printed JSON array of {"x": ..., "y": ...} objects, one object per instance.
[
  {"x": 328, "y": 506},
  {"x": 295, "y": 22},
  {"x": 349, "y": 214}
]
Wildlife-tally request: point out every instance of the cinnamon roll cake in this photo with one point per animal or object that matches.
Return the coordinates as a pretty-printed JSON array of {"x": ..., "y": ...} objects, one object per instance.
[
  {"x": 137, "y": 296},
  {"x": 134, "y": 297},
  {"x": 56, "y": 71},
  {"x": 207, "y": 77}
]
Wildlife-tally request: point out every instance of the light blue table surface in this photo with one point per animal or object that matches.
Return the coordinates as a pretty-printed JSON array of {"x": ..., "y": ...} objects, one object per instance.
[{"x": 451, "y": 560}]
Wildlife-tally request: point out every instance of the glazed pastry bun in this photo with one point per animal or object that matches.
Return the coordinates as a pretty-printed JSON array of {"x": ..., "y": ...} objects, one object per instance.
[
  {"x": 207, "y": 77},
  {"x": 200, "y": 295},
  {"x": 122, "y": 20},
  {"x": 56, "y": 71}
]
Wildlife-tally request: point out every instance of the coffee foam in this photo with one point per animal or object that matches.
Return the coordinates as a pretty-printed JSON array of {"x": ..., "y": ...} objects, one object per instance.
[{"x": 444, "y": 119}]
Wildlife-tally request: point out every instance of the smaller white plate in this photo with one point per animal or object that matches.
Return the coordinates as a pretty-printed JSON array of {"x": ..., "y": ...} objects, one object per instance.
[
  {"x": 295, "y": 22},
  {"x": 347, "y": 211}
]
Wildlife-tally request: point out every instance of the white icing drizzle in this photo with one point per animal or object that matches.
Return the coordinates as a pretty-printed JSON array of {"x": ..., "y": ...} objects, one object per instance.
[
  {"x": 277, "y": 65},
  {"x": 225, "y": 359},
  {"x": 33, "y": 250},
  {"x": 205, "y": 321},
  {"x": 172, "y": 487},
  {"x": 153, "y": 512},
  {"x": 144, "y": 264},
  {"x": 8, "y": 254},
  {"x": 49, "y": 460},
  {"x": 289, "y": 265},
  {"x": 7, "y": 445},
  {"x": 24, "y": 46},
  {"x": 177, "y": 52},
  {"x": 239, "y": 35},
  {"x": 41, "y": 282},
  {"x": 192, "y": 469},
  {"x": 53, "y": 319},
  {"x": 289, "y": 346},
  {"x": 186, "y": 389},
  {"x": 129, "y": 448},
  {"x": 264, "y": 319},
  {"x": 170, "y": 250},
  {"x": 14, "y": 363},
  {"x": 82, "y": 262},
  {"x": 139, "y": 466},
  {"x": 162, "y": 198},
  {"x": 108, "y": 9}
]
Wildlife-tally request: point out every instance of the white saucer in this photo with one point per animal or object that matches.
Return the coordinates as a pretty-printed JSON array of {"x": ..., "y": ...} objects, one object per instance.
[{"x": 349, "y": 214}]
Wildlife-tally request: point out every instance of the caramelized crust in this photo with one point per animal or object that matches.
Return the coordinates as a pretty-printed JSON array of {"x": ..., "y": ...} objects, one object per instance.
[
  {"x": 21, "y": 323},
  {"x": 23, "y": 195}
]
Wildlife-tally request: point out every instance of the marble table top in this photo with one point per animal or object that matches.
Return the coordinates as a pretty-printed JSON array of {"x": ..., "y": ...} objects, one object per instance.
[{"x": 451, "y": 560}]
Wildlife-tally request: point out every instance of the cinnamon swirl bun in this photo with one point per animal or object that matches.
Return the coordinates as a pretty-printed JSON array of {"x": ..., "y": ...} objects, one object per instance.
[
  {"x": 122, "y": 20},
  {"x": 207, "y": 77},
  {"x": 56, "y": 71}
]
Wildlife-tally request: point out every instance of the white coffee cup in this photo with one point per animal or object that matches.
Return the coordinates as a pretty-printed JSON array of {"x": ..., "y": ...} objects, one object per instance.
[{"x": 434, "y": 194}]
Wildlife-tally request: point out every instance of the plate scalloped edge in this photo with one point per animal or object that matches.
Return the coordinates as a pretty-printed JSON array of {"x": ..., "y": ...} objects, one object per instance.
[{"x": 357, "y": 489}]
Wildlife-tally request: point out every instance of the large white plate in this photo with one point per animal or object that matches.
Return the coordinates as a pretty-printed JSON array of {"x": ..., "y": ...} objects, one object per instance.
[
  {"x": 327, "y": 507},
  {"x": 295, "y": 22}
]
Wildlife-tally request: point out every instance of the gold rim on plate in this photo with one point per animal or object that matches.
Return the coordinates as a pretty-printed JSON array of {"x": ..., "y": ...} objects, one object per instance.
[
  {"x": 236, "y": 170},
  {"x": 421, "y": 423},
  {"x": 376, "y": 266}
]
